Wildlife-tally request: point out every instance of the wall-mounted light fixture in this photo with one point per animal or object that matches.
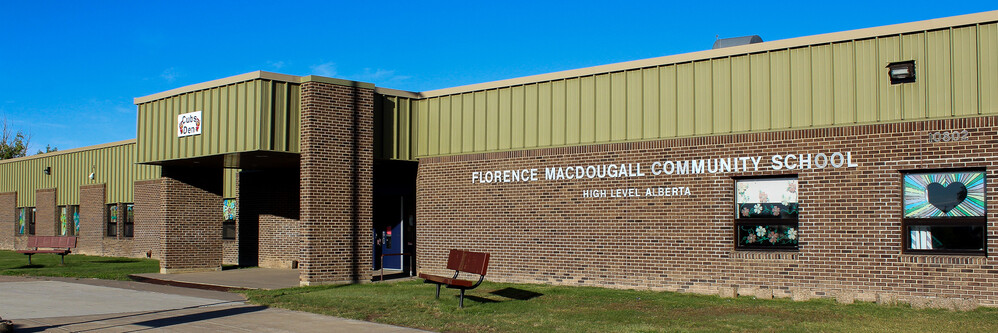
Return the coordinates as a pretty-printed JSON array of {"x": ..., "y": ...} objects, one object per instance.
[
  {"x": 901, "y": 72},
  {"x": 47, "y": 170}
]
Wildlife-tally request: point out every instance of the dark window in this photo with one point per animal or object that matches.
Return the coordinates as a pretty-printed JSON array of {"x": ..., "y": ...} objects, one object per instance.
[
  {"x": 31, "y": 220},
  {"x": 128, "y": 229},
  {"x": 112, "y": 220},
  {"x": 766, "y": 213},
  {"x": 229, "y": 214},
  {"x": 944, "y": 212}
]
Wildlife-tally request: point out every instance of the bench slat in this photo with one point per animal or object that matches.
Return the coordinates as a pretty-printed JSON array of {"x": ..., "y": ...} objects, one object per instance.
[{"x": 467, "y": 261}]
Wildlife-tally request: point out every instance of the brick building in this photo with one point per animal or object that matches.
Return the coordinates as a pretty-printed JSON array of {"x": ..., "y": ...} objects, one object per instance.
[{"x": 853, "y": 165}]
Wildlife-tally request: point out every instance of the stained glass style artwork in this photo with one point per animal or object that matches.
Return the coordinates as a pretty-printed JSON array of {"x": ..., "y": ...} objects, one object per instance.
[
  {"x": 76, "y": 220},
  {"x": 767, "y": 198},
  {"x": 20, "y": 221},
  {"x": 949, "y": 194},
  {"x": 62, "y": 220},
  {"x": 229, "y": 209},
  {"x": 112, "y": 212},
  {"x": 767, "y": 235},
  {"x": 129, "y": 213}
]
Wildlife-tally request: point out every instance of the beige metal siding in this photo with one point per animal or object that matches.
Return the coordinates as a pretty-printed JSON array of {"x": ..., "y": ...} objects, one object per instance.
[
  {"x": 246, "y": 116},
  {"x": 830, "y": 84},
  {"x": 113, "y": 165}
]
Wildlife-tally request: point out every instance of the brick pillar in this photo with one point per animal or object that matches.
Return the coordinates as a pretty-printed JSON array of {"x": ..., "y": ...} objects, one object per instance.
[
  {"x": 45, "y": 212},
  {"x": 93, "y": 213},
  {"x": 8, "y": 220},
  {"x": 191, "y": 201},
  {"x": 337, "y": 140},
  {"x": 149, "y": 217}
]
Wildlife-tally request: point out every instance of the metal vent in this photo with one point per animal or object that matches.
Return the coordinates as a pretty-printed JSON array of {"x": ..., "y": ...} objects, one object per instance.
[{"x": 736, "y": 41}]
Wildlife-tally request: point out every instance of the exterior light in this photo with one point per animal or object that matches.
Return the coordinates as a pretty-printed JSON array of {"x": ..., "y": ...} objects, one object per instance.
[
  {"x": 47, "y": 170},
  {"x": 901, "y": 72}
]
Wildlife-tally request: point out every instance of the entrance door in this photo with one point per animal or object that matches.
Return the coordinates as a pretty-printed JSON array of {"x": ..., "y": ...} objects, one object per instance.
[{"x": 389, "y": 233}]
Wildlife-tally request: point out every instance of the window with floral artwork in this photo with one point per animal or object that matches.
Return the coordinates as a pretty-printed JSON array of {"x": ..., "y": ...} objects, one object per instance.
[
  {"x": 112, "y": 221},
  {"x": 229, "y": 219},
  {"x": 766, "y": 213},
  {"x": 944, "y": 212},
  {"x": 68, "y": 223}
]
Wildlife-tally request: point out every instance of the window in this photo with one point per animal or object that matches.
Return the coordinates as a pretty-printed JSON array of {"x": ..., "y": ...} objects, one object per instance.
[
  {"x": 766, "y": 214},
  {"x": 129, "y": 226},
  {"x": 112, "y": 220},
  {"x": 21, "y": 221},
  {"x": 31, "y": 220},
  {"x": 68, "y": 223},
  {"x": 229, "y": 219},
  {"x": 944, "y": 212}
]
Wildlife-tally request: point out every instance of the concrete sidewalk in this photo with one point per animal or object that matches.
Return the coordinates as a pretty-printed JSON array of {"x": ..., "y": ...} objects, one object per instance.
[
  {"x": 71, "y": 305},
  {"x": 232, "y": 279}
]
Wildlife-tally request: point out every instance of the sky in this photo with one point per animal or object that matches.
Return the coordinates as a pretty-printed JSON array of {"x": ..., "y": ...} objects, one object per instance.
[{"x": 69, "y": 70}]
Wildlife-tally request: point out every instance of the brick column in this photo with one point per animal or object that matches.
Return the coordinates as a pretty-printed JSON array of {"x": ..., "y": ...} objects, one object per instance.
[
  {"x": 192, "y": 234},
  {"x": 8, "y": 220},
  {"x": 337, "y": 140},
  {"x": 149, "y": 216},
  {"x": 45, "y": 214},
  {"x": 92, "y": 216}
]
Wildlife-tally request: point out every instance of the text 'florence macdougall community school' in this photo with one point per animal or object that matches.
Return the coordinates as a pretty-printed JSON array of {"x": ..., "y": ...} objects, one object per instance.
[{"x": 855, "y": 165}]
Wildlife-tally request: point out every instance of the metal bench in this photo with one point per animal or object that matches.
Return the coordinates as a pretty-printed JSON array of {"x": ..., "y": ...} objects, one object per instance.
[
  {"x": 61, "y": 245},
  {"x": 461, "y": 261}
]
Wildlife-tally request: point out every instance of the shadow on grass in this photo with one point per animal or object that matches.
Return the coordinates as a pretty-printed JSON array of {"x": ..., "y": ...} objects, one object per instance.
[
  {"x": 28, "y": 266},
  {"x": 116, "y": 261},
  {"x": 517, "y": 294}
]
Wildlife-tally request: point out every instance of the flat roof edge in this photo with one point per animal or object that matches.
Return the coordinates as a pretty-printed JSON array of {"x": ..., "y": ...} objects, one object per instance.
[
  {"x": 219, "y": 82},
  {"x": 68, "y": 151},
  {"x": 895, "y": 29},
  {"x": 397, "y": 93}
]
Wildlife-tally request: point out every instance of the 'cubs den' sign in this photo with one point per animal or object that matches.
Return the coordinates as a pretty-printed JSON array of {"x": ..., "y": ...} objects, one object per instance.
[{"x": 189, "y": 124}]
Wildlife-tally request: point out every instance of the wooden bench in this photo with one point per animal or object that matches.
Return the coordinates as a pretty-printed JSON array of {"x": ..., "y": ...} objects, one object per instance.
[
  {"x": 461, "y": 261},
  {"x": 61, "y": 245}
]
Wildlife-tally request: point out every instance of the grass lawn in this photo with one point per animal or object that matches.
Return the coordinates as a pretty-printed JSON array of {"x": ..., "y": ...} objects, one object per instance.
[
  {"x": 504, "y": 307},
  {"x": 81, "y": 266}
]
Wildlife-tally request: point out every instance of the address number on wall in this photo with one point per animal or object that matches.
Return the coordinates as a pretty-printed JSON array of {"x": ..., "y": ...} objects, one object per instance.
[{"x": 950, "y": 136}]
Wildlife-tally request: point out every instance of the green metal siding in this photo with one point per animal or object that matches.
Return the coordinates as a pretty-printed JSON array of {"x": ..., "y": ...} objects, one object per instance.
[
  {"x": 393, "y": 126},
  {"x": 832, "y": 84},
  {"x": 112, "y": 165},
  {"x": 246, "y": 116}
]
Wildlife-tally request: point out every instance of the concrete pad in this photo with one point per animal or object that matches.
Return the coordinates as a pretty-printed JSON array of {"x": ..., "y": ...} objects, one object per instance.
[
  {"x": 246, "y": 278},
  {"x": 229, "y": 318},
  {"x": 38, "y": 299}
]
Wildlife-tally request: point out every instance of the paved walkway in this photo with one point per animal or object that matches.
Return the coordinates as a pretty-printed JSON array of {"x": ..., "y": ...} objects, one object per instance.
[{"x": 86, "y": 305}]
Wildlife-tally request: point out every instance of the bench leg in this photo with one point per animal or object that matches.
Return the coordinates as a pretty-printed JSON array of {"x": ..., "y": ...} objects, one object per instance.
[
  {"x": 461, "y": 302},
  {"x": 438, "y": 286},
  {"x": 62, "y": 260},
  {"x": 29, "y": 258}
]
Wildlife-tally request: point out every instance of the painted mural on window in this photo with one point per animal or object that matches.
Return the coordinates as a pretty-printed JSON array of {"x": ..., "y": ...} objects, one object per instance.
[
  {"x": 951, "y": 194},
  {"x": 767, "y": 198},
  {"x": 62, "y": 220},
  {"x": 20, "y": 220},
  {"x": 76, "y": 220},
  {"x": 229, "y": 209},
  {"x": 766, "y": 213}
]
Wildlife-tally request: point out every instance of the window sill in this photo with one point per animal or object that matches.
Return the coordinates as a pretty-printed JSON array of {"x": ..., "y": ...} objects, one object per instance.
[
  {"x": 765, "y": 255},
  {"x": 942, "y": 258}
]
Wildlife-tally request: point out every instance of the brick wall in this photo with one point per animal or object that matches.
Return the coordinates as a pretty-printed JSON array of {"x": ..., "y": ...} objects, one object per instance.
[
  {"x": 337, "y": 140},
  {"x": 191, "y": 207},
  {"x": 45, "y": 215},
  {"x": 92, "y": 220},
  {"x": 8, "y": 220},
  {"x": 270, "y": 199},
  {"x": 850, "y": 218}
]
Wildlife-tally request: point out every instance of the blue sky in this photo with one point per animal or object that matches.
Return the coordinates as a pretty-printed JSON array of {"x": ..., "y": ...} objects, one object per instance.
[{"x": 70, "y": 69}]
